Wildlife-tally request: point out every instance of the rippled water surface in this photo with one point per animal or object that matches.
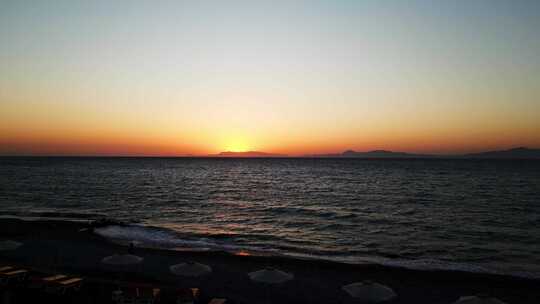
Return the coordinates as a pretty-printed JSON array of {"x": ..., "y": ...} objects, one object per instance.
[{"x": 476, "y": 215}]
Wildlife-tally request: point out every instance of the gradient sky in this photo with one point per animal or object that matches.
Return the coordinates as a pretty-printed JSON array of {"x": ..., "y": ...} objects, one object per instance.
[{"x": 295, "y": 77}]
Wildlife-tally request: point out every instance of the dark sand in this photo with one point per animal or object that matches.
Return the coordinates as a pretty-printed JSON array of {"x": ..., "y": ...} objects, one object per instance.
[{"x": 62, "y": 247}]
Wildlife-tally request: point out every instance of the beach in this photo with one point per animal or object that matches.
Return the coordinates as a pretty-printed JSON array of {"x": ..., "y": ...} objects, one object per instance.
[
  {"x": 250, "y": 152},
  {"x": 72, "y": 247}
]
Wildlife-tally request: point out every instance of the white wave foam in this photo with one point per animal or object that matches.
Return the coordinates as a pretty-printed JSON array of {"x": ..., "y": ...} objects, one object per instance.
[
  {"x": 147, "y": 237},
  {"x": 154, "y": 237}
]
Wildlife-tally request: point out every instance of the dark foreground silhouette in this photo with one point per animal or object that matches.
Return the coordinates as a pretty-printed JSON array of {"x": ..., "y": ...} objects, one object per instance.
[{"x": 72, "y": 248}]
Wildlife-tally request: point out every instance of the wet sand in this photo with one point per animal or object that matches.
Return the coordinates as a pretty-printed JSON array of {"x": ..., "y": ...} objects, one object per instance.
[{"x": 70, "y": 247}]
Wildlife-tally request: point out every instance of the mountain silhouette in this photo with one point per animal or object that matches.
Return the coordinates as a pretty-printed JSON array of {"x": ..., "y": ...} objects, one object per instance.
[
  {"x": 515, "y": 153},
  {"x": 372, "y": 154},
  {"x": 382, "y": 154}
]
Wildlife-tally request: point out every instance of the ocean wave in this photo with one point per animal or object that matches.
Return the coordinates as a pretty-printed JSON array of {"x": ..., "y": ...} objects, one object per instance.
[
  {"x": 143, "y": 235},
  {"x": 324, "y": 213},
  {"x": 52, "y": 215},
  {"x": 165, "y": 238},
  {"x": 378, "y": 211}
]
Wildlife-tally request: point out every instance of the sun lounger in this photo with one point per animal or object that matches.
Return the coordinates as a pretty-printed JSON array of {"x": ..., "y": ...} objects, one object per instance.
[
  {"x": 54, "y": 278},
  {"x": 57, "y": 284},
  {"x": 13, "y": 275},
  {"x": 73, "y": 284},
  {"x": 217, "y": 301},
  {"x": 38, "y": 281},
  {"x": 5, "y": 268},
  {"x": 14, "y": 272}
]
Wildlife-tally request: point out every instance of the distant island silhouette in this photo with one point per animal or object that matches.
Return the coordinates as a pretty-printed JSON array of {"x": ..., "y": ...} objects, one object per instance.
[
  {"x": 372, "y": 154},
  {"x": 514, "y": 153}
]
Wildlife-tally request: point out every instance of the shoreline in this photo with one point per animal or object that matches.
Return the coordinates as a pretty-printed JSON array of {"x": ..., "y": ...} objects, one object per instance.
[
  {"x": 413, "y": 265},
  {"x": 64, "y": 246},
  {"x": 386, "y": 262}
]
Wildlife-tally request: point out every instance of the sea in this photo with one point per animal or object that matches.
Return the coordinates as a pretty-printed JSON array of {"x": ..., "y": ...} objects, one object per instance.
[{"x": 426, "y": 214}]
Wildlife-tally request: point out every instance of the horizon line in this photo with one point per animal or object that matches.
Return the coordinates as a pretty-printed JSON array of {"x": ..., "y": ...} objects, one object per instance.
[{"x": 244, "y": 154}]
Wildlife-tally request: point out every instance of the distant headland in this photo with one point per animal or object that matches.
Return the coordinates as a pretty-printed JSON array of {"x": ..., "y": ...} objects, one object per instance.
[
  {"x": 372, "y": 154},
  {"x": 515, "y": 153}
]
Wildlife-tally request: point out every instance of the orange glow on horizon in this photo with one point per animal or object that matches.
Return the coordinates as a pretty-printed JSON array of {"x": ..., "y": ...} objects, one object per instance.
[
  {"x": 191, "y": 79},
  {"x": 63, "y": 129},
  {"x": 122, "y": 145}
]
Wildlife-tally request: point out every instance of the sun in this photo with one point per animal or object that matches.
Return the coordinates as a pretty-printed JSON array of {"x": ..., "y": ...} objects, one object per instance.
[
  {"x": 237, "y": 147},
  {"x": 236, "y": 144}
]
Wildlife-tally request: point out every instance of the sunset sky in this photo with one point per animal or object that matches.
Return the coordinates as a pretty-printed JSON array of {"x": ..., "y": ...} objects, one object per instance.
[{"x": 293, "y": 77}]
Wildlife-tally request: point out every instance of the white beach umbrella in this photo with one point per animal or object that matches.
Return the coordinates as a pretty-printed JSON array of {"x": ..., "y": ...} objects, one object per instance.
[
  {"x": 270, "y": 276},
  {"x": 122, "y": 259},
  {"x": 369, "y": 292},
  {"x": 190, "y": 269},
  {"x": 9, "y": 245},
  {"x": 478, "y": 299}
]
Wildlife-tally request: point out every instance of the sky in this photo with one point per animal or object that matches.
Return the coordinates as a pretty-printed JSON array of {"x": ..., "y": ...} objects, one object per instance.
[{"x": 292, "y": 77}]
